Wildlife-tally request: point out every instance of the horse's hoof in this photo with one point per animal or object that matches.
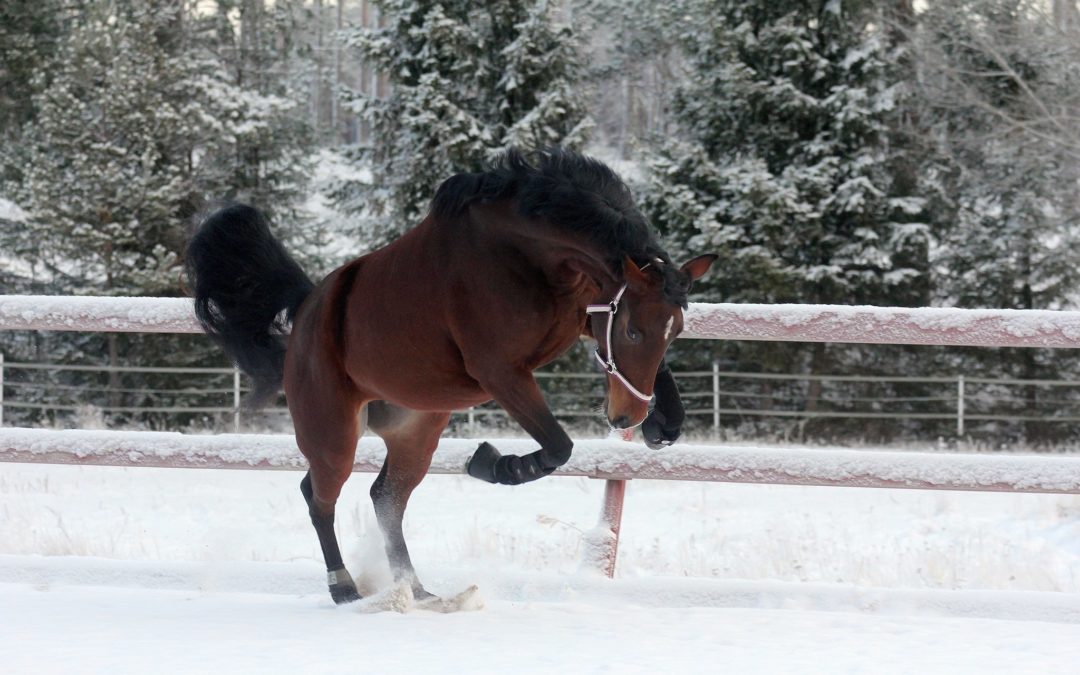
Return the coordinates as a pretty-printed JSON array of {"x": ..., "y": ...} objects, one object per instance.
[
  {"x": 655, "y": 434},
  {"x": 482, "y": 464},
  {"x": 420, "y": 594},
  {"x": 342, "y": 587},
  {"x": 343, "y": 594}
]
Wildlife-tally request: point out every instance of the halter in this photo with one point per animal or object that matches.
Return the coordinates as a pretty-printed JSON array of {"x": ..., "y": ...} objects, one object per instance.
[{"x": 609, "y": 365}]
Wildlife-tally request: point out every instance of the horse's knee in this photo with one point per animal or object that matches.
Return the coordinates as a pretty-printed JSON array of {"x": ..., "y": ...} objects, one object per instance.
[
  {"x": 559, "y": 454},
  {"x": 321, "y": 492},
  {"x": 384, "y": 497},
  {"x": 379, "y": 491}
]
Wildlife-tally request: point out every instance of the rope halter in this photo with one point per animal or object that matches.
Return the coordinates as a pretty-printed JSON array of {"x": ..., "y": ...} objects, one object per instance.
[{"x": 609, "y": 364}]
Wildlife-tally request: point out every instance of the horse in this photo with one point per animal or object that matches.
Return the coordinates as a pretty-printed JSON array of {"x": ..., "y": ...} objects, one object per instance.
[{"x": 510, "y": 267}]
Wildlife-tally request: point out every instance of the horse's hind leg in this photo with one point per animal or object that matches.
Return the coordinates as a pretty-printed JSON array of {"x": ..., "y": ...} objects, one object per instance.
[
  {"x": 328, "y": 437},
  {"x": 411, "y": 438}
]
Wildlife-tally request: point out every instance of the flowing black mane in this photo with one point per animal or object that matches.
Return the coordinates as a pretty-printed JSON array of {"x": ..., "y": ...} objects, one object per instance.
[{"x": 571, "y": 191}]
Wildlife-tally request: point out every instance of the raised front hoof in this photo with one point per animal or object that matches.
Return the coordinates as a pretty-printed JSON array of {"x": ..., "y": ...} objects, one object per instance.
[
  {"x": 655, "y": 434},
  {"x": 482, "y": 464},
  {"x": 342, "y": 588}
]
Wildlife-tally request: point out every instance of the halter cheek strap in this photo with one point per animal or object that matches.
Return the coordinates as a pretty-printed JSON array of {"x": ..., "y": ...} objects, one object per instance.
[{"x": 609, "y": 364}]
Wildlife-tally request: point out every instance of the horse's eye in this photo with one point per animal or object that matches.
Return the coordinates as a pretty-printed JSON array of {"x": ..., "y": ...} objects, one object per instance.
[{"x": 632, "y": 334}]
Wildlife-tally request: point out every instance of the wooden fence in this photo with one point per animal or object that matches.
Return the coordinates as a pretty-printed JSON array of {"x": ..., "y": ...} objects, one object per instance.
[{"x": 613, "y": 461}]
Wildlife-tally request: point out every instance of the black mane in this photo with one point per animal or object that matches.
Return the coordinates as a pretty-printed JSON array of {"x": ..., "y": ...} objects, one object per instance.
[{"x": 570, "y": 191}]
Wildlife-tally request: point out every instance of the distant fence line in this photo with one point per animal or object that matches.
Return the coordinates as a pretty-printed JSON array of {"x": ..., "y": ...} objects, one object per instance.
[
  {"x": 708, "y": 401},
  {"x": 718, "y": 321}
]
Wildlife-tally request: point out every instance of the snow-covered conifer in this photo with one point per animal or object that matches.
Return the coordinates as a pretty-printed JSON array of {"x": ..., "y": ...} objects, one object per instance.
[
  {"x": 784, "y": 162},
  {"x": 466, "y": 80}
]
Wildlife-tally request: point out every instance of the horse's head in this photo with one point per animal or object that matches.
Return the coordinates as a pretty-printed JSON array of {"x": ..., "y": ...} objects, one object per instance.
[{"x": 634, "y": 331}]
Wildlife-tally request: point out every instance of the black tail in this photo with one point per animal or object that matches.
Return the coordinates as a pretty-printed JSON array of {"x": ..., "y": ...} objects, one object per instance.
[{"x": 243, "y": 279}]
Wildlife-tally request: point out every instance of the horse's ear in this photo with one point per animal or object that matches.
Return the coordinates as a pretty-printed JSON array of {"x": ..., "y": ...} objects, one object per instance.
[
  {"x": 633, "y": 274},
  {"x": 697, "y": 267}
]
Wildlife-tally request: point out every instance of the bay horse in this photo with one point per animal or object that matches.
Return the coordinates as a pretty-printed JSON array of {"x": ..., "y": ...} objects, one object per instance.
[{"x": 509, "y": 268}]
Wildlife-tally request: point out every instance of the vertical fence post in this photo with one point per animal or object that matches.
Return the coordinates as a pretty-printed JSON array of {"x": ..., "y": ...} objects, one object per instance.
[
  {"x": 472, "y": 421},
  {"x": 611, "y": 520},
  {"x": 716, "y": 398},
  {"x": 236, "y": 400},
  {"x": 960, "y": 406},
  {"x": 603, "y": 547}
]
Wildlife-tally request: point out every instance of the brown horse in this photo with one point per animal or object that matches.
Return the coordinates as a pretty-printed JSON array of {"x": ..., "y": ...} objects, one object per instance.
[{"x": 507, "y": 271}]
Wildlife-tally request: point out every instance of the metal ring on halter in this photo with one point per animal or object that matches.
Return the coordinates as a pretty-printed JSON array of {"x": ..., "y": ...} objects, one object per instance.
[{"x": 609, "y": 365}]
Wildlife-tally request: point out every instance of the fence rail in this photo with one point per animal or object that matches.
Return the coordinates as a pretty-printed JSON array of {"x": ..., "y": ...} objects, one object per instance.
[
  {"x": 606, "y": 459},
  {"x": 615, "y": 462},
  {"x": 719, "y": 321}
]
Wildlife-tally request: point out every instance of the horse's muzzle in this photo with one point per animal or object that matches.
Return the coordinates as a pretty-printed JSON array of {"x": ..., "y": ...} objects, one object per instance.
[{"x": 621, "y": 423}]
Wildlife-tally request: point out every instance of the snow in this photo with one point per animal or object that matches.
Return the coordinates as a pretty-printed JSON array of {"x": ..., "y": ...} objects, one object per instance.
[
  {"x": 124, "y": 569},
  {"x": 122, "y": 630},
  {"x": 97, "y": 313},
  {"x": 119, "y": 630},
  {"x": 11, "y": 212},
  {"x": 884, "y": 325}
]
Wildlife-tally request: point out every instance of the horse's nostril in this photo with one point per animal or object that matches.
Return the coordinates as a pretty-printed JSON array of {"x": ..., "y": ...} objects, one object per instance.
[{"x": 621, "y": 422}]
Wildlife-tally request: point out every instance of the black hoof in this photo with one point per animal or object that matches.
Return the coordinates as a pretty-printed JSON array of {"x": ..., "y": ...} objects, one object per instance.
[
  {"x": 342, "y": 588},
  {"x": 343, "y": 594},
  {"x": 482, "y": 464},
  {"x": 655, "y": 432}
]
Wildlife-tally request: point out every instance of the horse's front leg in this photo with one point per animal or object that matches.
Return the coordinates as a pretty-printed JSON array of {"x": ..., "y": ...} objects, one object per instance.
[
  {"x": 663, "y": 425},
  {"x": 519, "y": 395}
]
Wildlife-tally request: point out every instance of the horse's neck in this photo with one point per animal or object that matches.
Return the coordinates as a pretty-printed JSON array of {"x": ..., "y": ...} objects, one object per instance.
[
  {"x": 575, "y": 274},
  {"x": 572, "y": 266}
]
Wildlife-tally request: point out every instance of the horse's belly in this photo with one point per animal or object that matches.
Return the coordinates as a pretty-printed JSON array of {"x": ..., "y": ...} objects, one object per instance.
[
  {"x": 430, "y": 391},
  {"x": 436, "y": 401}
]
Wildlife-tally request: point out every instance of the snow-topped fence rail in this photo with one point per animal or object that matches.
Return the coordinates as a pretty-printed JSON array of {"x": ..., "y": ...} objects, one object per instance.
[
  {"x": 607, "y": 459},
  {"x": 720, "y": 321},
  {"x": 614, "y": 461}
]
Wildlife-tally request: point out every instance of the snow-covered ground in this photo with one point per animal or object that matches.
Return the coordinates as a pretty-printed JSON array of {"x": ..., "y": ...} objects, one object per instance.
[{"x": 132, "y": 569}]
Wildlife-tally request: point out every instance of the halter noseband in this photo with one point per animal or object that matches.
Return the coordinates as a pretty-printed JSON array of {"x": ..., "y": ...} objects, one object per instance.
[{"x": 609, "y": 364}]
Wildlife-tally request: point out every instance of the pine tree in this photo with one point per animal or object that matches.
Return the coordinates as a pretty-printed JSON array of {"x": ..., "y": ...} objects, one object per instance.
[
  {"x": 104, "y": 198},
  {"x": 257, "y": 141},
  {"x": 466, "y": 81},
  {"x": 29, "y": 31},
  {"x": 138, "y": 123},
  {"x": 784, "y": 163},
  {"x": 995, "y": 75},
  {"x": 997, "y": 103}
]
